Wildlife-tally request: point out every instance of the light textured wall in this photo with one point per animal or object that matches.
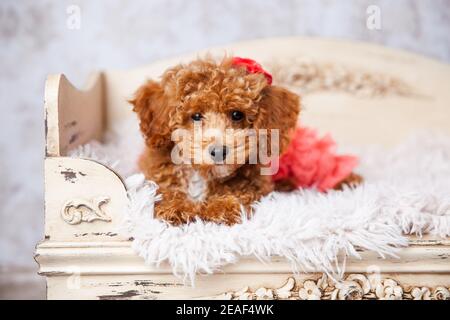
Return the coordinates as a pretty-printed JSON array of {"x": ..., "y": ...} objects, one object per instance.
[{"x": 35, "y": 41}]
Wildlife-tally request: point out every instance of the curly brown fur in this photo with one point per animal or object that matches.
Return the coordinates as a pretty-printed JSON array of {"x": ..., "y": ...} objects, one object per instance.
[{"x": 215, "y": 90}]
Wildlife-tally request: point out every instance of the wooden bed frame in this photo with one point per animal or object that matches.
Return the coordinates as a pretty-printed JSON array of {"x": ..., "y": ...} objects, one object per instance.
[{"x": 84, "y": 257}]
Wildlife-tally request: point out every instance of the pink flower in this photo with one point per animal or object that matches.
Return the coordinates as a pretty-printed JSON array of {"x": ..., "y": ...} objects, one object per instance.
[{"x": 311, "y": 161}]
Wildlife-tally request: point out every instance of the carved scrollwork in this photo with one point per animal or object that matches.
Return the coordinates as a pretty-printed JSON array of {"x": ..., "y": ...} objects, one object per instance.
[
  {"x": 81, "y": 210},
  {"x": 305, "y": 76},
  {"x": 353, "y": 287}
]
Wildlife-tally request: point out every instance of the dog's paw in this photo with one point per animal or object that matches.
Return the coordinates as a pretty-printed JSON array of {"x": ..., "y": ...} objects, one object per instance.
[
  {"x": 224, "y": 209},
  {"x": 352, "y": 180},
  {"x": 177, "y": 210}
]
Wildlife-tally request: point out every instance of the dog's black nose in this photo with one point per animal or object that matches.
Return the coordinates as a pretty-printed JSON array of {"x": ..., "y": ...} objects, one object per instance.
[{"x": 218, "y": 153}]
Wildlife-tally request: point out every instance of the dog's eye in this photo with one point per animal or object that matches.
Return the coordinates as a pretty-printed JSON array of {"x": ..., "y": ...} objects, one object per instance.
[
  {"x": 197, "y": 117},
  {"x": 237, "y": 115}
]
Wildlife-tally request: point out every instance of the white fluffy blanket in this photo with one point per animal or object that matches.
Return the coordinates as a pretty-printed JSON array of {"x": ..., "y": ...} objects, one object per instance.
[{"x": 406, "y": 191}]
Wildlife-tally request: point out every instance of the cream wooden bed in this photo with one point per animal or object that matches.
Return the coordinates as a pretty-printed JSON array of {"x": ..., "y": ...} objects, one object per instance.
[{"x": 83, "y": 256}]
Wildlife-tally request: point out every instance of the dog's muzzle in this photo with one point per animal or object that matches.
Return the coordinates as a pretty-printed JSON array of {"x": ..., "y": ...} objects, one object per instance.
[{"x": 218, "y": 153}]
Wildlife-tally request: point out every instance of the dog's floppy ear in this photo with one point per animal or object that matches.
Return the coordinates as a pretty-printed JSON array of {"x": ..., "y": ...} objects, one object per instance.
[
  {"x": 279, "y": 109},
  {"x": 151, "y": 106}
]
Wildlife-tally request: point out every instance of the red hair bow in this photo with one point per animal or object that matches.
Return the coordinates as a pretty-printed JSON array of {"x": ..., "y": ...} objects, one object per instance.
[{"x": 252, "y": 67}]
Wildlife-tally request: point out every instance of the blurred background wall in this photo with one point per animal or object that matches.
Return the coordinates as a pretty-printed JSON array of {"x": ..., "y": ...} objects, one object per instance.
[{"x": 36, "y": 38}]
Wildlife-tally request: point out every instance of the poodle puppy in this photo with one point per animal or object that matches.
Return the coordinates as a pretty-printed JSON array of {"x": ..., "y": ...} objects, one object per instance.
[{"x": 211, "y": 129}]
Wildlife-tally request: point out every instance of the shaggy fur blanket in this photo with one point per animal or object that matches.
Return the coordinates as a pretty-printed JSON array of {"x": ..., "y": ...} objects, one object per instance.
[{"x": 406, "y": 191}]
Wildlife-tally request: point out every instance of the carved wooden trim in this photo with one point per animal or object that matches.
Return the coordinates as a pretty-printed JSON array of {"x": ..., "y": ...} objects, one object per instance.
[
  {"x": 354, "y": 287},
  {"x": 81, "y": 210},
  {"x": 305, "y": 77}
]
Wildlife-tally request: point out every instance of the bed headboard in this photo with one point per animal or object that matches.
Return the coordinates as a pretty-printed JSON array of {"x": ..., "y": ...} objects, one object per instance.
[
  {"x": 421, "y": 102},
  {"x": 361, "y": 93}
]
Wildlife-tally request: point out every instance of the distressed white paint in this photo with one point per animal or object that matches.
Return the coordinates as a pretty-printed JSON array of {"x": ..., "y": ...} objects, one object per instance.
[{"x": 112, "y": 270}]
